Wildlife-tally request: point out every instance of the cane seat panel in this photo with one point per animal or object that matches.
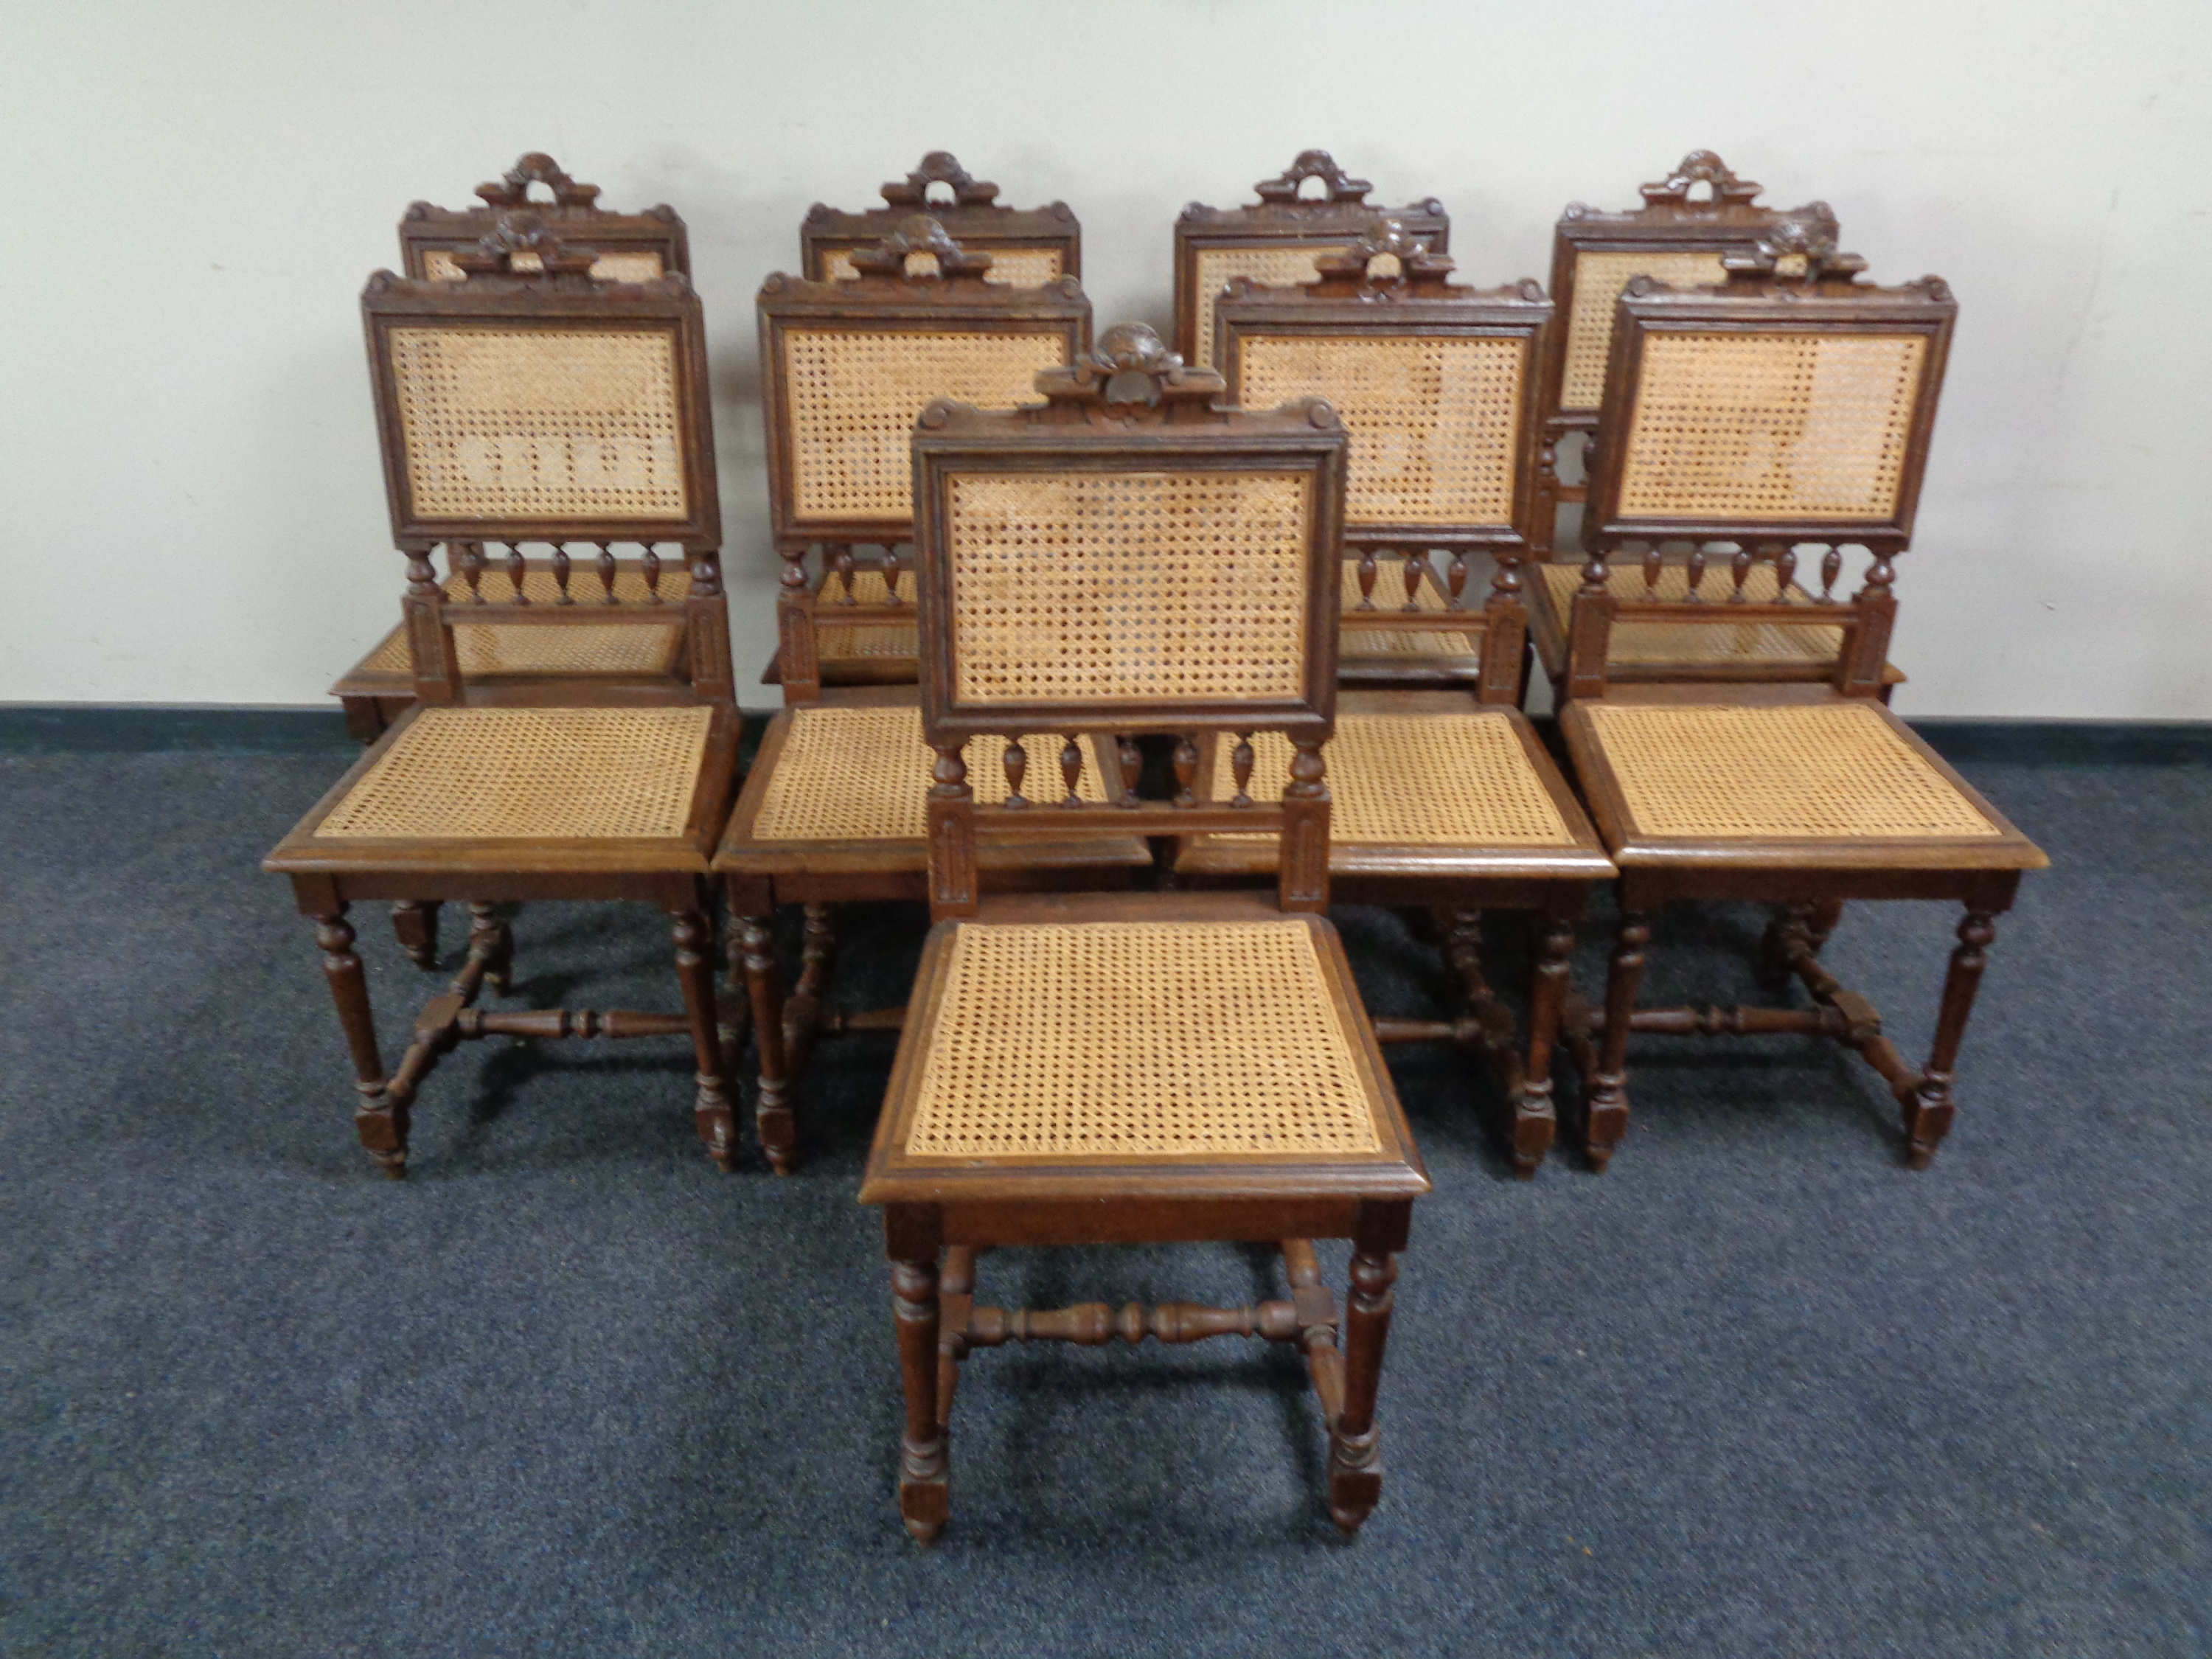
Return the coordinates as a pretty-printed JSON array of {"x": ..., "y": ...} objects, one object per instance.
[
  {"x": 1599, "y": 279},
  {"x": 1101, "y": 586},
  {"x": 539, "y": 425},
  {"x": 853, "y": 396},
  {"x": 1010, "y": 267},
  {"x": 637, "y": 266},
  {"x": 862, "y": 773},
  {"x": 1716, "y": 641},
  {"x": 865, "y": 642},
  {"x": 1140, "y": 1039},
  {"x": 1434, "y": 420},
  {"x": 533, "y": 773},
  {"x": 1812, "y": 772},
  {"x": 1417, "y": 780},
  {"x": 1413, "y": 643},
  {"x": 1771, "y": 426}
]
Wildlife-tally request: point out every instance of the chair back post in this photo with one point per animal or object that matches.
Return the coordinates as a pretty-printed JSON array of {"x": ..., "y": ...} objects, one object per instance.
[
  {"x": 1438, "y": 384},
  {"x": 1688, "y": 223},
  {"x": 1031, "y": 246},
  {"x": 1278, "y": 240},
  {"x": 630, "y": 247},
  {"x": 1791, "y": 406},
  {"x": 847, "y": 366},
  {"x": 534, "y": 402},
  {"x": 1136, "y": 556}
]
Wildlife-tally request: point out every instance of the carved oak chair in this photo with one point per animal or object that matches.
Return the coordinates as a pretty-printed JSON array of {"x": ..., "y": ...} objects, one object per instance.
[
  {"x": 440, "y": 244},
  {"x": 541, "y": 407},
  {"x": 845, "y": 368},
  {"x": 1140, "y": 1068},
  {"x": 1772, "y": 414},
  {"x": 831, "y": 811},
  {"x": 1438, "y": 385},
  {"x": 1277, "y": 240},
  {"x": 1441, "y": 803},
  {"x": 1030, "y": 247}
]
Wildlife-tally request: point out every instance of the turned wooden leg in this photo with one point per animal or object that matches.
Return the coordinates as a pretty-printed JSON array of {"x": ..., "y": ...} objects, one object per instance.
[
  {"x": 1606, "y": 1118},
  {"x": 1929, "y": 1112},
  {"x": 415, "y": 924},
  {"x": 1355, "y": 1446},
  {"x": 956, "y": 1295},
  {"x": 486, "y": 928},
  {"x": 710, "y": 1104},
  {"x": 925, "y": 1486},
  {"x": 1535, "y": 1121},
  {"x": 1821, "y": 916},
  {"x": 772, "y": 1118},
  {"x": 380, "y": 1121}
]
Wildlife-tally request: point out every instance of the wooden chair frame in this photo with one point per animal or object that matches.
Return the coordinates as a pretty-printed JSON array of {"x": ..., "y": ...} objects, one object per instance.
[
  {"x": 1672, "y": 221},
  {"x": 1282, "y": 218},
  {"x": 328, "y": 875},
  {"x": 971, "y": 217},
  {"x": 433, "y": 240},
  {"x": 1132, "y": 405},
  {"x": 893, "y": 294},
  {"x": 1810, "y": 880},
  {"x": 1356, "y": 300}
]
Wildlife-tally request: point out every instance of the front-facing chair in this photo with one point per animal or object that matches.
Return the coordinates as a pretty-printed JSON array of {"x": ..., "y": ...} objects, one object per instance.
[
  {"x": 1139, "y": 1068},
  {"x": 1772, "y": 417},
  {"x": 542, "y": 409}
]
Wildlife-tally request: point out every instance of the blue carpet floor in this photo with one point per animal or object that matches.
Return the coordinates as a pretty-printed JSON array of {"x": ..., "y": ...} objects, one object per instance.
[{"x": 1758, "y": 1390}]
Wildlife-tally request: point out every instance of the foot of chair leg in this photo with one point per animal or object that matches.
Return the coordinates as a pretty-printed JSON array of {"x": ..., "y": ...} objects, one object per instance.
[
  {"x": 1355, "y": 1479},
  {"x": 924, "y": 1463},
  {"x": 710, "y": 1100},
  {"x": 1535, "y": 1120},
  {"x": 772, "y": 1116},
  {"x": 1930, "y": 1108},
  {"x": 415, "y": 924},
  {"x": 379, "y": 1118}
]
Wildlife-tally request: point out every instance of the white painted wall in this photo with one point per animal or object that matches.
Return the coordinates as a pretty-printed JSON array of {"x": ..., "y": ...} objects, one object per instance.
[{"x": 189, "y": 504}]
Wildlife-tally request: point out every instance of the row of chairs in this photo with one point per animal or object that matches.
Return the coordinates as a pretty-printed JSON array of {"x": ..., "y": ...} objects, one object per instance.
[{"x": 1144, "y": 555}]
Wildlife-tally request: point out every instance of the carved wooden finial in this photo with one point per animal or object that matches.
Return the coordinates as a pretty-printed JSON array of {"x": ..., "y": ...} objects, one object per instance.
[
  {"x": 1801, "y": 245},
  {"x": 1130, "y": 366},
  {"x": 1340, "y": 185},
  {"x": 919, "y": 234},
  {"x": 537, "y": 168},
  {"x": 1700, "y": 166},
  {"x": 940, "y": 167},
  {"x": 523, "y": 244},
  {"x": 1417, "y": 265}
]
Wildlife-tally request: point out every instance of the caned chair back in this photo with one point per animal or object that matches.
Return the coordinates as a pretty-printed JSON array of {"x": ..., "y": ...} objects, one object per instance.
[
  {"x": 1133, "y": 556},
  {"x": 627, "y": 247},
  {"x": 533, "y": 405},
  {"x": 1437, "y": 384},
  {"x": 1277, "y": 240},
  {"x": 1771, "y": 415},
  {"x": 846, "y": 368},
  {"x": 1030, "y": 247},
  {"x": 1679, "y": 236}
]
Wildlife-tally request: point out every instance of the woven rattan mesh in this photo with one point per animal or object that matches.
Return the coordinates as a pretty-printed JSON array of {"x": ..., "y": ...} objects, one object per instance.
[
  {"x": 1010, "y": 267},
  {"x": 1139, "y": 1040},
  {"x": 1097, "y": 587},
  {"x": 1599, "y": 278},
  {"x": 853, "y": 399},
  {"x": 440, "y": 266},
  {"x": 1417, "y": 780},
  {"x": 1389, "y": 590},
  {"x": 1277, "y": 266},
  {"x": 863, "y": 774},
  {"x": 1406, "y": 642},
  {"x": 1718, "y": 640},
  {"x": 534, "y": 773},
  {"x": 1771, "y": 426},
  {"x": 1434, "y": 422},
  {"x": 868, "y": 589},
  {"x": 538, "y": 424},
  {"x": 490, "y": 652},
  {"x": 853, "y": 644},
  {"x": 1820, "y": 772}
]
